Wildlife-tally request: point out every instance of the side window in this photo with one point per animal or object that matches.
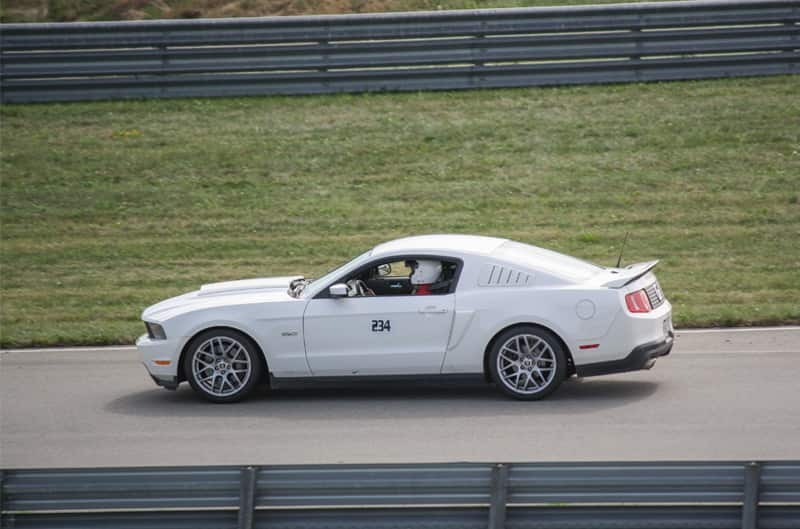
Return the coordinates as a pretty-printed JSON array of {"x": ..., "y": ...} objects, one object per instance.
[
  {"x": 405, "y": 277},
  {"x": 394, "y": 270},
  {"x": 389, "y": 279}
]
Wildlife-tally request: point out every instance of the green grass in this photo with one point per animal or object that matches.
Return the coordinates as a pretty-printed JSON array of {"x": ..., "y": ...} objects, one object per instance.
[
  {"x": 109, "y": 207},
  {"x": 71, "y": 10}
]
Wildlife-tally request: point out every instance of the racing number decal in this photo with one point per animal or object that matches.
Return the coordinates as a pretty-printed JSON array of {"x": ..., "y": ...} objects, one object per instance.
[{"x": 381, "y": 326}]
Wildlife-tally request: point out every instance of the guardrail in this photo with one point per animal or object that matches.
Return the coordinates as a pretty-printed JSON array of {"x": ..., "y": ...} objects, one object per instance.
[
  {"x": 401, "y": 51},
  {"x": 458, "y": 495}
]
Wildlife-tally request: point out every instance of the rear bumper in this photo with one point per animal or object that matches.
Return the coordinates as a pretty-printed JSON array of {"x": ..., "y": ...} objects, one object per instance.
[{"x": 642, "y": 357}]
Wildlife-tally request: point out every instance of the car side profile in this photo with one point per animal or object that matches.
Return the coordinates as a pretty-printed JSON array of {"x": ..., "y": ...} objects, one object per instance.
[{"x": 521, "y": 317}]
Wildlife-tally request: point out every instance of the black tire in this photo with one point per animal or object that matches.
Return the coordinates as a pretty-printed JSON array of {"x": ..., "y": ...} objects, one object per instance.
[
  {"x": 223, "y": 351},
  {"x": 542, "y": 349}
]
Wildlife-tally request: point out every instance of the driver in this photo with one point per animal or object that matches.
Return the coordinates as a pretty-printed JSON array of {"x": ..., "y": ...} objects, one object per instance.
[{"x": 424, "y": 274}]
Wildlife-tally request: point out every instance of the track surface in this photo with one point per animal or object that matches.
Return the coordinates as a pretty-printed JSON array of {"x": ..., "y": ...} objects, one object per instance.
[{"x": 719, "y": 395}]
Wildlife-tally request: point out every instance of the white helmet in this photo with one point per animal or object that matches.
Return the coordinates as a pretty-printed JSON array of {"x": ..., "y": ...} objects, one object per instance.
[{"x": 425, "y": 272}]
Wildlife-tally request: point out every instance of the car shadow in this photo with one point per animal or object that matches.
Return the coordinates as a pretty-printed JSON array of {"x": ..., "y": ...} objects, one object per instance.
[{"x": 575, "y": 396}]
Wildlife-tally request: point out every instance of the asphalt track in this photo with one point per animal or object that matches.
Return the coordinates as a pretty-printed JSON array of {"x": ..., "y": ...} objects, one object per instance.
[{"x": 726, "y": 394}]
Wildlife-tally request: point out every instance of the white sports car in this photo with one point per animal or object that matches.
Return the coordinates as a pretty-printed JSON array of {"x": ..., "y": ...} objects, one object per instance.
[{"x": 522, "y": 317}]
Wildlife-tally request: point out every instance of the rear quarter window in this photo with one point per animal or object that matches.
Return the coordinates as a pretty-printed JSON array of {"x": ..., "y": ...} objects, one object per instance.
[{"x": 547, "y": 261}]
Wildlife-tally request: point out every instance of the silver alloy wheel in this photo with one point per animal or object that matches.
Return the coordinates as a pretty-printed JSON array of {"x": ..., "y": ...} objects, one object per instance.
[
  {"x": 221, "y": 366},
  {"x": 526, "y": 364}
]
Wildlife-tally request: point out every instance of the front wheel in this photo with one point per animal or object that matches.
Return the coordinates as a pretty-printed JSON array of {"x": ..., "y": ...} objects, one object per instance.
[
  {"x": 527, "y": 362},
  {"x": 223, "y": 365}
]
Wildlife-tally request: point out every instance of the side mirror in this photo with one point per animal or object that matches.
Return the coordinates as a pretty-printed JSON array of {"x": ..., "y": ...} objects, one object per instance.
[
  {"x": 384, "y": 270},
  {"x": 339, "y": 290}
]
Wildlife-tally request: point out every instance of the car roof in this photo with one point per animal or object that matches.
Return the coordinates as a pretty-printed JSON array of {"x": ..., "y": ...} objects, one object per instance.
[{"x": 472, "y": 244}]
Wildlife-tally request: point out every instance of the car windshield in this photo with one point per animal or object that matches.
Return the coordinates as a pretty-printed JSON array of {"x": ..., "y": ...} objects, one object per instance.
[{"x": 548, "y": 261}]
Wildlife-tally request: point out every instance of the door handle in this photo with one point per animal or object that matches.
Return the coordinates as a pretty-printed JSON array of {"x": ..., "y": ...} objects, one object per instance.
[{"x": 432, "y": 310}]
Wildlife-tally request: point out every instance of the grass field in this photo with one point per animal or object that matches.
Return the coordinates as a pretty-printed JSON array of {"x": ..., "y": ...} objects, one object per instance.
[
  {"x": 71, "y": 10},
  {"x": 109, "y": 207}
]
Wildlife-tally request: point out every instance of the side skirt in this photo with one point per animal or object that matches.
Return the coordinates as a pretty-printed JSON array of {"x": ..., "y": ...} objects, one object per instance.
[{"x": 372, "y": 380}]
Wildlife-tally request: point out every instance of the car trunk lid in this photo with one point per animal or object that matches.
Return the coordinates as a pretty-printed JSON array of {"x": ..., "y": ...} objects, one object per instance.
[{"x": 619, "y": 277}]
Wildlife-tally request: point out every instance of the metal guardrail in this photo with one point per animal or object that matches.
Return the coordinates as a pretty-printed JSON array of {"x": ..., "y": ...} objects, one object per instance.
[
  {"x": 401, "y": 51},
  {"x": 656, "y": 495}
]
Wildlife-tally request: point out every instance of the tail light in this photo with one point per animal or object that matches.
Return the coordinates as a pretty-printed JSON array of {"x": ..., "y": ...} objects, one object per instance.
[{"x": 638, "y": 302}]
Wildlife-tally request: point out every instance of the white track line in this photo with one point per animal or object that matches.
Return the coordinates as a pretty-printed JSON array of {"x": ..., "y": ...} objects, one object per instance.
[
  {"x": 72, "y": 349},
  {"x": 738, "y": 329},
  {"x": 695, "y": 352}
]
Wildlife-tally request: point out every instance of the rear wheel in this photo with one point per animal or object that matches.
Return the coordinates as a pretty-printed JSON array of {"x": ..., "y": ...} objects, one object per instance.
[
  {"x": 223, "y": 365},
  {"x": 527, "y": 362}
]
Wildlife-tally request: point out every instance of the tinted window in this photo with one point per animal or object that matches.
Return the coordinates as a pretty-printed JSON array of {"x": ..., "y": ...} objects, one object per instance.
[{"x": 548, "y": 261}]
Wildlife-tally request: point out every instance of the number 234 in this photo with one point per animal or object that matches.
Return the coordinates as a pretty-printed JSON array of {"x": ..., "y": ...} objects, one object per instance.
[{"x": 381, "y": 326}]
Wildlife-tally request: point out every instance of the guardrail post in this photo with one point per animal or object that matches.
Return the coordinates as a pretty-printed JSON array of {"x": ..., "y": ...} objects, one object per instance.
[
  {"x": 752, "y": 478},
  {"x": 790, "y": 24},
  {"x": 499, "y": 493},
  {"x": 2, "y": 505},
  {"x": 481, "y": 50},
  {"x": 247, "y": 497},
  {"x": 637, "y": 56},
  {"x": 162, "y": 56},
  {"x": 326, "y": 56}
]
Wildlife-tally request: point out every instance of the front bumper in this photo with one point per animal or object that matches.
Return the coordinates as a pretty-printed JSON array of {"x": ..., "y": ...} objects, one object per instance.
[
  {"x": 642, "y": 357},
  {"x": 160, "y": 359},
  {"x": 170, "y": 383}
]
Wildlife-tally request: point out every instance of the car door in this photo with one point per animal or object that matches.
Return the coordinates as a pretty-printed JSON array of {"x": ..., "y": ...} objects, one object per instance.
[{"x": 377, "y": 335}]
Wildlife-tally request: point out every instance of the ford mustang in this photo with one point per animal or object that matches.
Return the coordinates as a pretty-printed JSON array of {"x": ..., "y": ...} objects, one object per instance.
[{"x": 521, "y": 317}]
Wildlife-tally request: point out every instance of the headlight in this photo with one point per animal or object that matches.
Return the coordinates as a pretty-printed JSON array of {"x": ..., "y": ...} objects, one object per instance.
[{"x": 155, "y": 331}]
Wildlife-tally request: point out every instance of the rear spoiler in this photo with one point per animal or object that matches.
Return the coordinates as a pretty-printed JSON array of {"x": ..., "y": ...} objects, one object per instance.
[{"x": 619, "y": 277}]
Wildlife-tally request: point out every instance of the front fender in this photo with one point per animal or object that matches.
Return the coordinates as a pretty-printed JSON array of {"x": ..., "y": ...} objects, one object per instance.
[{"x": 276, "y": 330}]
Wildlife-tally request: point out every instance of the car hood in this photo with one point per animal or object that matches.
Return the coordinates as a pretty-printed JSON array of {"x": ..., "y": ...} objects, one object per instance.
[
  {"x": 261, "y": 290},
  {"x": 247, "y": 285}
]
